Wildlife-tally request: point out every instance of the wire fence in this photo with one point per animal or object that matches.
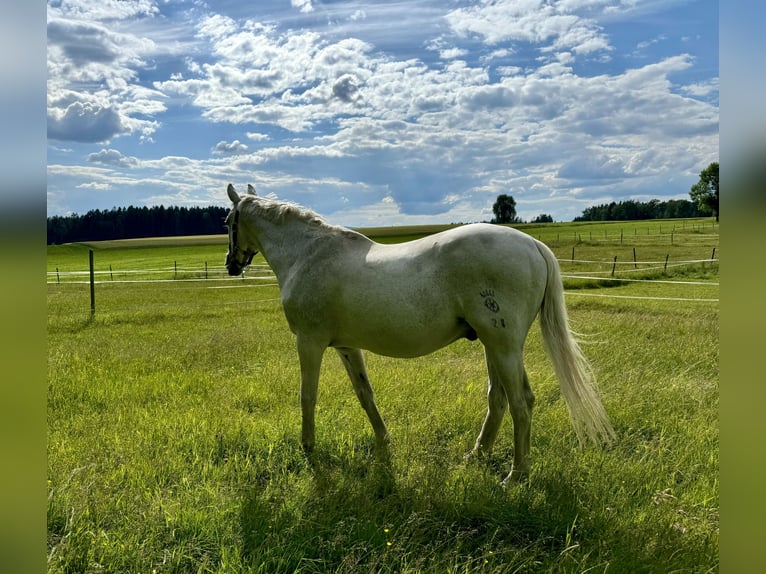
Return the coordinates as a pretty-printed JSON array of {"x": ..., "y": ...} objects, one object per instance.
[
  {"x": 160, "y": 275},
  {"x": 261, "y": 276}
]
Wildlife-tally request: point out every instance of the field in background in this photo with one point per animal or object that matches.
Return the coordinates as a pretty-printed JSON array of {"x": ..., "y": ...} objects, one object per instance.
[{"x": 174, "y": 423}]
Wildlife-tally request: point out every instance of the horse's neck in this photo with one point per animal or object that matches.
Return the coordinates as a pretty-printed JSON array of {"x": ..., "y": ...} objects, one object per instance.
[{"x": 286, "y": 244}]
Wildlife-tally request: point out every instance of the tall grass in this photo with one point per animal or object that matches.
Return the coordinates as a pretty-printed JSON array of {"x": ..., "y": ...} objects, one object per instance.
[{"x": 174, "y": 423}]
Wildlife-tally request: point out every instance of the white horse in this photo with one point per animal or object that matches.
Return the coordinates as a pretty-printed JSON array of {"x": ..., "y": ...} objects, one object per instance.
[{"x": 340, "y": 289}]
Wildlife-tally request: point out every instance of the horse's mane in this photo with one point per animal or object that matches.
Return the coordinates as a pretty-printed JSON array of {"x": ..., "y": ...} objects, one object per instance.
[{"x": 283, "y": 211}]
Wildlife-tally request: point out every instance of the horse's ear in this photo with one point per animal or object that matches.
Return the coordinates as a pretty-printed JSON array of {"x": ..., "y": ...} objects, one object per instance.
[
  {"x": 250, "y": 189},
  {"x": 233, "y": 196}
]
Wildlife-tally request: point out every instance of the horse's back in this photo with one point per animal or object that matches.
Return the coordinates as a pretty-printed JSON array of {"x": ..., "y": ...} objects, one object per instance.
[{"x": 488, "y": 253}]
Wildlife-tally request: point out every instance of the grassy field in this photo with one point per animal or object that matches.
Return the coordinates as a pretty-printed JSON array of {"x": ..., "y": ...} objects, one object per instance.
[{"x": 173, "y": 424}]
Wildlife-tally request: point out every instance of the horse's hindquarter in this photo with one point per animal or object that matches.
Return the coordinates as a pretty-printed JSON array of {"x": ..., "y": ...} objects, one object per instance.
[{"x": 410, "y": 299}]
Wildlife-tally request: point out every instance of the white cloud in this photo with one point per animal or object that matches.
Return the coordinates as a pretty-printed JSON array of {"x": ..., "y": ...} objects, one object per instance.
[
  {"x": 96, "y": 186},
  {"x": 554, "y": 25},
  {"x": 93, "y": 90},
  {"x": 104, "y": 9},
  {"x": 234, "y": 147},
  {"x": 304, "y": 5},
  {"x": 216, "y": 26},
  {"x": 112, "y": 157},
  {"x": 451, "y": 53},
  {"x": 85, "y": 122},
  {"x": 702, "y": 89}
]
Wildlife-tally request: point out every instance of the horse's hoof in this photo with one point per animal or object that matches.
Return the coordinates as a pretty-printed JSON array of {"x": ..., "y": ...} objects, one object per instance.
[
  {"x": 383, "y": 449},
  {"x": 383, "y": 443},
  {"x": 515, "y": 477},
  {"x": 474, "y": 455}
]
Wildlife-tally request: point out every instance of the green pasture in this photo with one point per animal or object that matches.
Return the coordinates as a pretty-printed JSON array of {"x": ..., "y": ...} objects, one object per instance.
[{"x": 174, "y": 422}]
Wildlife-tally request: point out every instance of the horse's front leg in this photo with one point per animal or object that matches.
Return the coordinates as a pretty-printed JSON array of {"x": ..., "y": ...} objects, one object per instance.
[
  {"x": 353, "y": 360},
  {"x": 310, "y": 356}
]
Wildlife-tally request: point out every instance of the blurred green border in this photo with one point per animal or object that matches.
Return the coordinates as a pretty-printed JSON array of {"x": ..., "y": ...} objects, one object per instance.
[{"x": 743, "y": 385}]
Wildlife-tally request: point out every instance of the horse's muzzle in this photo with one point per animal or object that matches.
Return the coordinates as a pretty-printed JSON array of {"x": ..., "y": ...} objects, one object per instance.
[
  {"x": 234, "y": 266},
  {"x": 234, "y": 269}
]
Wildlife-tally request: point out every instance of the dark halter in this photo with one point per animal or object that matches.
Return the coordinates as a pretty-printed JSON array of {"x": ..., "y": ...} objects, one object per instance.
[{"x": 235, "y": 245}]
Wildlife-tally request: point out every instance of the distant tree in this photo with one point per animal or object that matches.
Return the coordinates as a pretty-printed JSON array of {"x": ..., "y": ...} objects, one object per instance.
[
  {"x": 504, "y": 209},
  {"x": 705, "y": 191},
  {"x": 543, "y": 218},
  {"x": 636, "y": 210}
]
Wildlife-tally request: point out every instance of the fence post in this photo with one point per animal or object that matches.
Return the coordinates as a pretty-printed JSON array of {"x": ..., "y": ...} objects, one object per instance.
[
  {"x": 111, "y": 277},
  {"x": 713, "y": 254},
  {"x": 614, "y": 265},
  {"x": 175, "y": 270},
  {"x": 572, "y": 253},
  {"x": 635, "y": 265},
  {"x": 92, "y": 286},
  {"x": 58, "y": 279},
  {"x": 205, "y": 269},
  {"x": 666, "y": 261}
]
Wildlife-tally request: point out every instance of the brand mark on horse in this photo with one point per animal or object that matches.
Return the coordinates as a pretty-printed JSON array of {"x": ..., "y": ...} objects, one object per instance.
[{"x": 489, "y": 300}]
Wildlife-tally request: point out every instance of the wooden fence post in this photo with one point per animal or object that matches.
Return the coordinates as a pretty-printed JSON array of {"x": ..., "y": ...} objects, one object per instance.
[{"x": 614, "y": 265}]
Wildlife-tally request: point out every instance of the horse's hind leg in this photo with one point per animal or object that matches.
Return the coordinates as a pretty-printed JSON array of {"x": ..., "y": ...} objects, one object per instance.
[
  {"x": 510, "y": 373},
  {"x": 521, "y": 411},
  {"x": 353, "y": 360},
  {"x": 497, "y": 404}
]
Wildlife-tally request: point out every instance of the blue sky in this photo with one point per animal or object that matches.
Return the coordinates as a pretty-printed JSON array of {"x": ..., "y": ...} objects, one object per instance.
[{"x": 380, "y": 113}]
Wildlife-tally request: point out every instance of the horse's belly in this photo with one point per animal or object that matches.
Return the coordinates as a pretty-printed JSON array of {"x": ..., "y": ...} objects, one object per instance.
[{"x": 408, "y": 337}]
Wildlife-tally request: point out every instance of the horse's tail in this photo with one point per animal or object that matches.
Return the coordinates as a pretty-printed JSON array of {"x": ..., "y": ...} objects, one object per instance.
[{"x": 574, "y": 373}]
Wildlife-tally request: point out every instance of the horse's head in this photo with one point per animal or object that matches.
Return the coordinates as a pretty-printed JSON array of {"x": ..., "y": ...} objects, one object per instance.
[{"x": 240, "y": 253}]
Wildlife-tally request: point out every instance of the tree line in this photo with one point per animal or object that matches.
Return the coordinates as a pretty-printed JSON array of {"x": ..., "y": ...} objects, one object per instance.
[
  {"x": 636, "y": 210},
  {"x": 133, "y": 222},
  {"x": 159, "y": 221},
  {"x": 504, "y": 210},
  {"x": 704, "y": 201}
]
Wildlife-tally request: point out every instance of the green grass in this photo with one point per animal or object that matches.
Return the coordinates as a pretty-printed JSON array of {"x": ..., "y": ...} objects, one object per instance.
[{"x": 173, "y": 437}]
